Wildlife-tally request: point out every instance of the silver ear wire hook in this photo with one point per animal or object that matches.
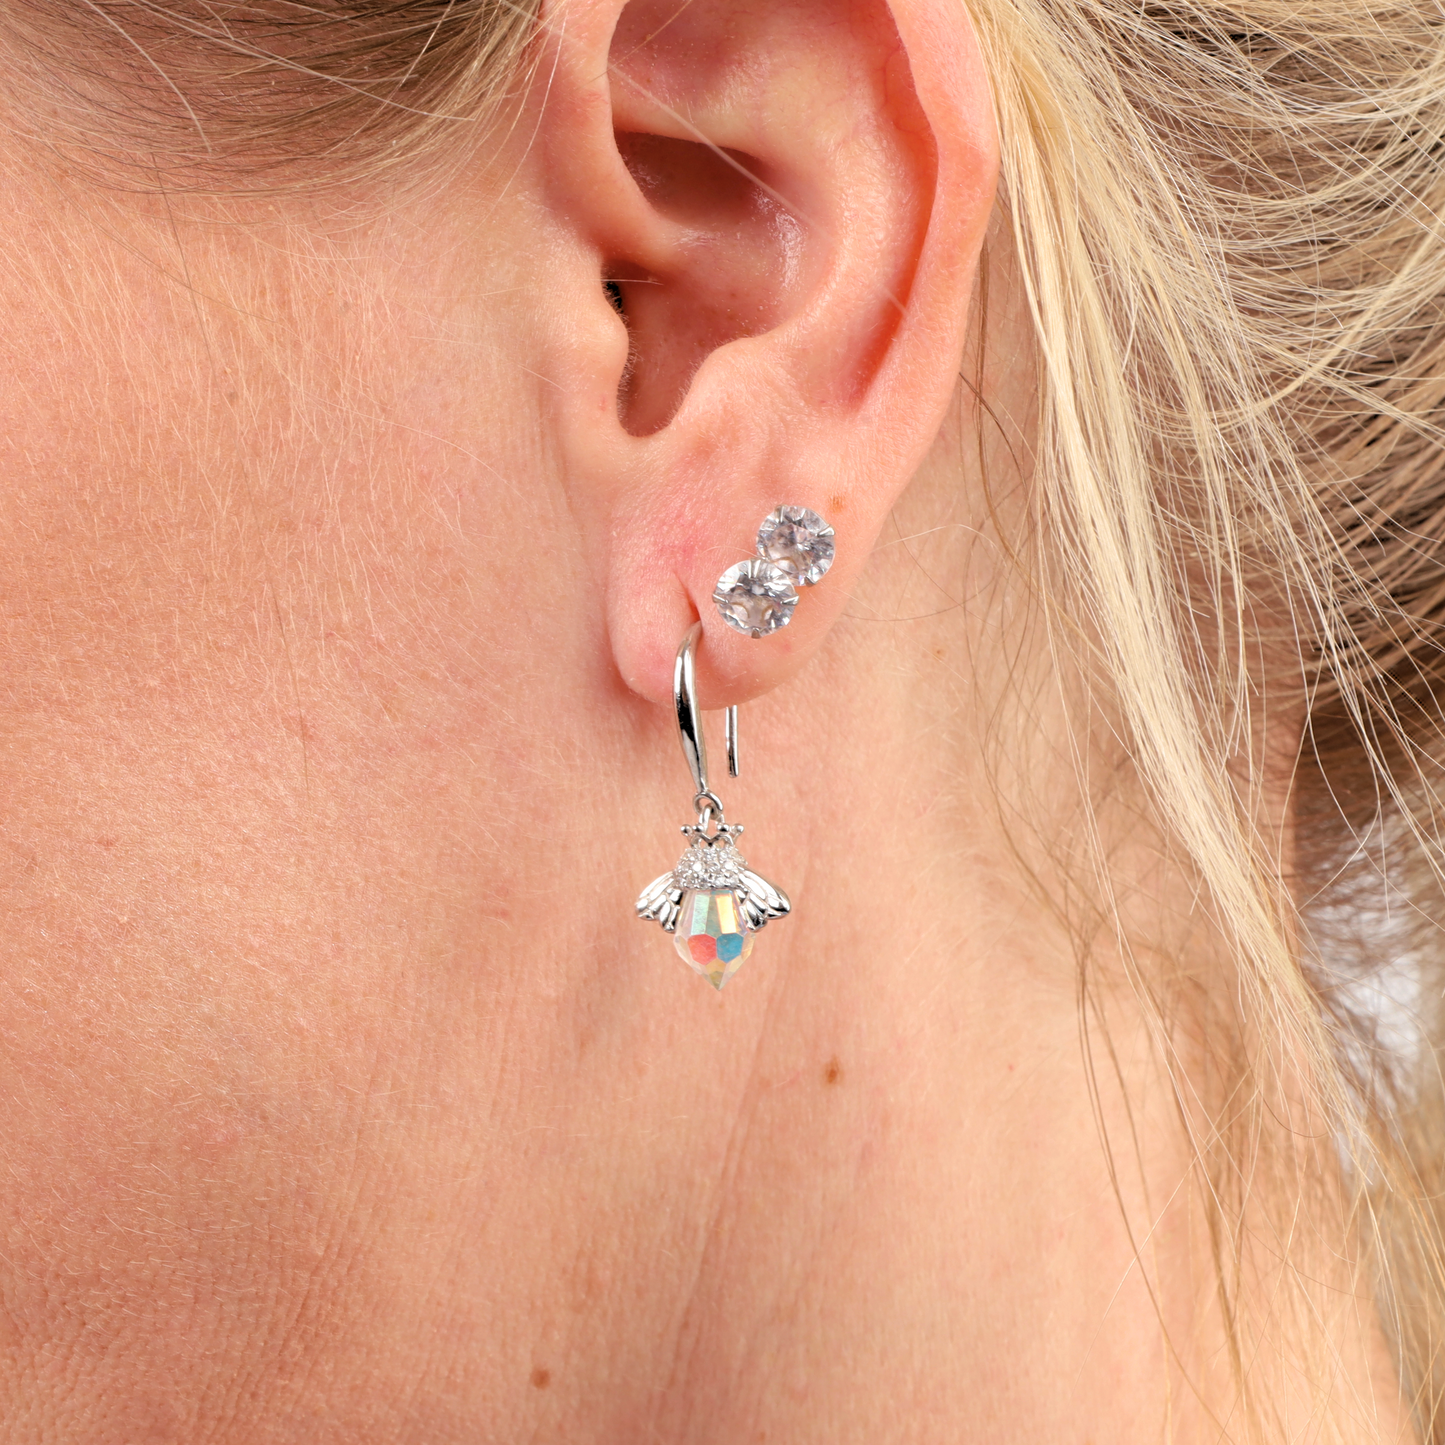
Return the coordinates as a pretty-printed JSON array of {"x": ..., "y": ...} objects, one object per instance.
[
  {"x": 689, "y": 719},
  {"x": 689, "y": 716}
]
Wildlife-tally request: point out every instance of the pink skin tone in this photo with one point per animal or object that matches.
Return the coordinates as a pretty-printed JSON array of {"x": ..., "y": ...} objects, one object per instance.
[{"x": 341, "y": 1096}]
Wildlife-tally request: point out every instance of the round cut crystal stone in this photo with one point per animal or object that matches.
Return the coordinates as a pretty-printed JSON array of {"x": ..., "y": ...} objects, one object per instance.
[
  {"x": 799, "y": 542},
  {"x": 755, "y": 597},
  {"x": 712, "y": 936}
]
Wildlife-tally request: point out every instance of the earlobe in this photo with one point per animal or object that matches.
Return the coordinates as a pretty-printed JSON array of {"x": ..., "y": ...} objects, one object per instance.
[{"x": 788, "y": 201}]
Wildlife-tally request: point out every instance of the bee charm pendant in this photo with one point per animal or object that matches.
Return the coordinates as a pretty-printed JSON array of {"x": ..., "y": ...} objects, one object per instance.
[{"x": 711, "y": 903}]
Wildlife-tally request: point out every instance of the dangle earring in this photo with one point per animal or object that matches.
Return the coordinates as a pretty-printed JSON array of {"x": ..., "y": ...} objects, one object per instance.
[{"x": 711, "y": 902}]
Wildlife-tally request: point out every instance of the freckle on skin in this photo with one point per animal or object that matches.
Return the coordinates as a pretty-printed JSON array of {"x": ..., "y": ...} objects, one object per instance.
[
  {"x": 832, "y": 1072},
  {"x": 541, "y": 1378}
]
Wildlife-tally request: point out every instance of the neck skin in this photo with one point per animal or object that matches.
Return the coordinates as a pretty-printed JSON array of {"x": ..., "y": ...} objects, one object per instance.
[{"x": 343, "y": 1097}]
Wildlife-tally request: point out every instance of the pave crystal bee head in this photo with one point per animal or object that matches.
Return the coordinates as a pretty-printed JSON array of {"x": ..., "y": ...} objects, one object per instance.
[{"x": 712, "y": 903}]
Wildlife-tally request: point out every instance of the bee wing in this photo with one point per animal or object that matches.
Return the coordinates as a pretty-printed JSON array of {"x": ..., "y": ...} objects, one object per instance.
[
  {"x": 660, "y": 902},
  {"x": 760, "y": 901}
]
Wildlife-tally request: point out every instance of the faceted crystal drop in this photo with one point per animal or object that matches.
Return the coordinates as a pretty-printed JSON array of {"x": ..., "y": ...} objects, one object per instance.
[
  {"x": 798, "y": 541},
  {"x": 712, "y": 936},
  {"x": 755, "y": 597}
]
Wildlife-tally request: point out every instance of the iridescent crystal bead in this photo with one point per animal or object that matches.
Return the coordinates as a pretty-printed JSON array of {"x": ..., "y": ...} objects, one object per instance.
[
  {"x": 799, "y": 542},
  {"x": 755, "y": 597},
  {"x": 711, "y": 935}
]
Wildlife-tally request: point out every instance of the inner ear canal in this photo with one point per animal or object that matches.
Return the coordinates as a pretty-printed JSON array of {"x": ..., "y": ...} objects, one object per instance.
[{"x": 727, "y": 274}]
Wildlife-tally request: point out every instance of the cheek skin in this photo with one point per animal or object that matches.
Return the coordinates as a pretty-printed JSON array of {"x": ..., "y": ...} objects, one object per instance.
[{"x": 269, "y": 798}]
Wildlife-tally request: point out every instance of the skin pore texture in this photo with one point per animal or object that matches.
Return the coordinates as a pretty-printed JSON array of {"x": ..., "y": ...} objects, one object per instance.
[{"x": 342, "y": 1098}]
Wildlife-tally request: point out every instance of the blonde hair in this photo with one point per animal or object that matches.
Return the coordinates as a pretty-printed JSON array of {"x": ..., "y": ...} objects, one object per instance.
[
  {"x": 257, "y": 96},
  {"x": 1227, "y": 225}
]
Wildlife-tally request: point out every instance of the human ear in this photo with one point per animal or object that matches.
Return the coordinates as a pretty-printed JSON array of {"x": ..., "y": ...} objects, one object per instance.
[{"x": 786, "y": 203}]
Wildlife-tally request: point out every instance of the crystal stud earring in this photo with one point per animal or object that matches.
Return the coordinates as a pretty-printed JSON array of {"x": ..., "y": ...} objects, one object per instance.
[
  {"x": 711, "y": 903},
  {"x": 794, "y": 549}
]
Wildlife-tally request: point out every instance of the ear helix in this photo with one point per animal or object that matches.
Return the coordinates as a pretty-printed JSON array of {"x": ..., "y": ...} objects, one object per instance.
[{"x": 794, "y": 549}]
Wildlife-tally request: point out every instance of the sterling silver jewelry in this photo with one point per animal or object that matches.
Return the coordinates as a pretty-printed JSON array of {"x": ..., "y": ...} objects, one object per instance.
[
  {"x": 794, "y": 549},
  {"x": 711, "y": 903}
]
